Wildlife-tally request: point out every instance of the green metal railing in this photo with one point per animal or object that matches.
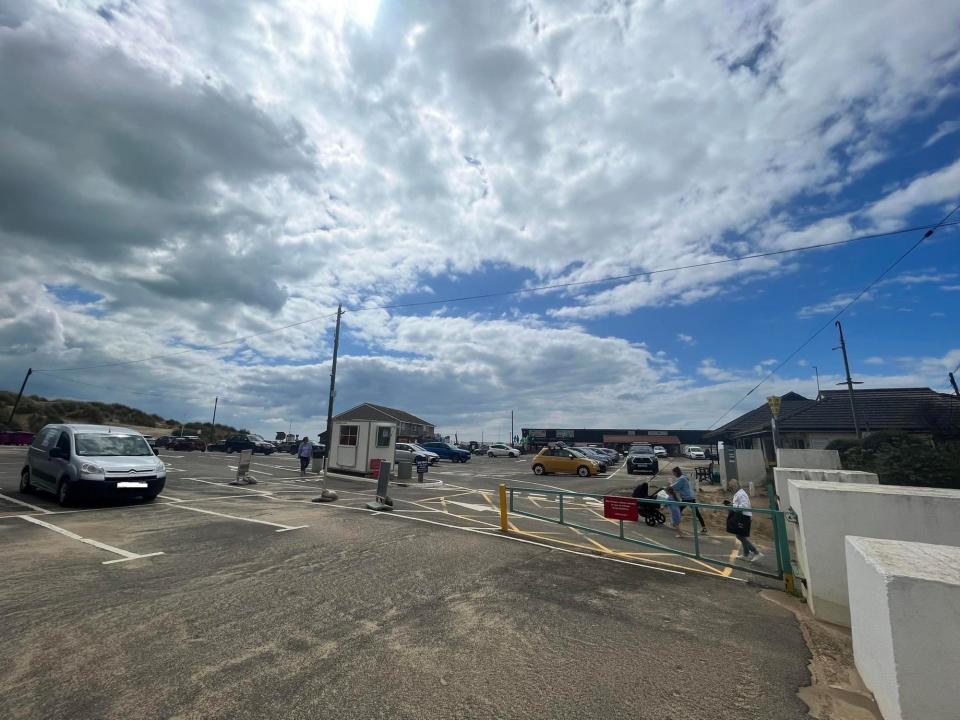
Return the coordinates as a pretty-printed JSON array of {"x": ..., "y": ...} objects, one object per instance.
[{"x": 784, "y": 568}]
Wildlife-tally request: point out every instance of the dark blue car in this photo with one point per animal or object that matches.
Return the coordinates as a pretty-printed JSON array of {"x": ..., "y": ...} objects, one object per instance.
[{"x": 446, "y": 451}]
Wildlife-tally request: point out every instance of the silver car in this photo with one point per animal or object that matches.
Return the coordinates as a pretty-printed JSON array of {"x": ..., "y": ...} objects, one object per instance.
[
  {"x": 411, "y": 452},
  {"x": 69, "y": 460}
]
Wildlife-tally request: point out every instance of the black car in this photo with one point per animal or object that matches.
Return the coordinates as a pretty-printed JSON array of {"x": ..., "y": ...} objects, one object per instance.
[
  {"x": 238, "y": 443},
  {"x": 642, "y": 462}
]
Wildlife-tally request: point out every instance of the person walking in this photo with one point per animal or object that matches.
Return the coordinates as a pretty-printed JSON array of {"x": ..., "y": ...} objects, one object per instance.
[
  {"x": 739, "y": 522},
  {"x": 684, "y": 491},
  {"x": 305, "y": 452}
]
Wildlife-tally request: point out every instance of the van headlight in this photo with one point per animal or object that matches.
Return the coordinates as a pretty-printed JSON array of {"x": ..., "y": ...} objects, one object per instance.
[
  {"x": 161, "y": 471},
  {"x": 91, "y": 471}
]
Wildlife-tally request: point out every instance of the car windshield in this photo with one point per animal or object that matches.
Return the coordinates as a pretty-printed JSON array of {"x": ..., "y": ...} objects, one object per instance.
[{"x": 110, "y": 445}]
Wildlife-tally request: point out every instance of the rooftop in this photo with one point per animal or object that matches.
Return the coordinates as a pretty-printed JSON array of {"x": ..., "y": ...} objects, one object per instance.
[{"x": 369, "y": 411}]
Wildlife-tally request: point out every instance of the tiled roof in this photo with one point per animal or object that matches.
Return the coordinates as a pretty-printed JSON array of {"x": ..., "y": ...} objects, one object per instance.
[
  {"x": 369, "y": 411},
  {"x": 877, "y": 409}
]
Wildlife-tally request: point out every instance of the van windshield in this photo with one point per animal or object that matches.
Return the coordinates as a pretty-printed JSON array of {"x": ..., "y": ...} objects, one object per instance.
[{"x": 110, "y": 445}]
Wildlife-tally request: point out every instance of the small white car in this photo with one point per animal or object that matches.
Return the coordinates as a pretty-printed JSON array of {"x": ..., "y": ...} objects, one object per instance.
[
  {"x": 501, "y": 450},
  {"x": 659, "y": 451},
  {"x": 695, "y": 452},
  {"x": 411, "y": 452}
]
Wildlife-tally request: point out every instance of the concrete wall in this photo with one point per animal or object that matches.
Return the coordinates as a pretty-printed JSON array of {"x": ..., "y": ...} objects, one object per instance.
[
  {"x": 811, "y": 459},
  {"x": 751, "y": 468},
  {"x": 904, "y": 605},
  {"x": 829, "y": 511},
  {"x": 783, "y": 474}
]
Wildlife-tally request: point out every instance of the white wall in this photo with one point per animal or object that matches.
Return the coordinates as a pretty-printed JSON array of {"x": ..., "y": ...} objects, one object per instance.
[
  {"x": 830, "y": 511},
  {"x": 781, "y": 475},
  {"x": 752, "y": 468},
  {"x": 904, "y": 606},
  {"x": 812, "y": 459}
]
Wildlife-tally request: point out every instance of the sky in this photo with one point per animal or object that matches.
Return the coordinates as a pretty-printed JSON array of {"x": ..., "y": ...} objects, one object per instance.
[{"x": 174, "y": 175}]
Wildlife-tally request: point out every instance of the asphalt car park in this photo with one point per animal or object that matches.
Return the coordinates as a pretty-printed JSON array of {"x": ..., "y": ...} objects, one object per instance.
[{"x": 223, "y": 601}]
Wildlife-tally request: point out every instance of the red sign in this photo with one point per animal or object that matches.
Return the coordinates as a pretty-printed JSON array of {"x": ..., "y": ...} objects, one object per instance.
[{"x": 620, "y": 508}]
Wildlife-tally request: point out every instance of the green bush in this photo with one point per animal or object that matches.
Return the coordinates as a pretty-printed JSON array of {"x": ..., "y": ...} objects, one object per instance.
[{"x": 903, "y": 459}]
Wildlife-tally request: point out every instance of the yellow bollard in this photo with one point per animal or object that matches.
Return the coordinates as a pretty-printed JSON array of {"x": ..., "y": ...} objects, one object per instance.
[{"x": 504, "y": 527}]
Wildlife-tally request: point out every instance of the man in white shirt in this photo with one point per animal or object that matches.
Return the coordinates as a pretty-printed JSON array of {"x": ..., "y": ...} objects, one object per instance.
[{"x": 741, "y": 501}]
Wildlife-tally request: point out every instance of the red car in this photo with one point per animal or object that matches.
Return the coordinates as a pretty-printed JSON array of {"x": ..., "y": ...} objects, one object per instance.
[{"x": 188, "y": 442}]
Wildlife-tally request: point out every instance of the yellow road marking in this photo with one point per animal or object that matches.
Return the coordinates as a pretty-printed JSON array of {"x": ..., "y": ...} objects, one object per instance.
[{"x": 727, "y": 572}]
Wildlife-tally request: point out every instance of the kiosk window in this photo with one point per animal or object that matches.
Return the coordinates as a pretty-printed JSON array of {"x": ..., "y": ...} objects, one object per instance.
[
  {"x": 348, "y": 434},
  {"x": 383, "y": 436}
]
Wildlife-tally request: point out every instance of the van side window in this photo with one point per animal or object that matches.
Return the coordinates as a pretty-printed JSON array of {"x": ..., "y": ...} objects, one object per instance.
[
  {"x": 41, "y": 439},
  {"x": 64, "y": 442}
]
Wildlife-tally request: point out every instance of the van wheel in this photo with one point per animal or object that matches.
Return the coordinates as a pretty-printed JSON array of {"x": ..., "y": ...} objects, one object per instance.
[
  {"x": 490, "y": 454},
  {"x": 25, "y": 487},
  {"x": 583, "y": 471},
  {"x": 538, "y": 469},
  {"x": 64, "y": 494}
]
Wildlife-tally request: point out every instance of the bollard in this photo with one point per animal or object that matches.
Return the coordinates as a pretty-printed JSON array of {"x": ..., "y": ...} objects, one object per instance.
[{"x": 383, "y": 503}]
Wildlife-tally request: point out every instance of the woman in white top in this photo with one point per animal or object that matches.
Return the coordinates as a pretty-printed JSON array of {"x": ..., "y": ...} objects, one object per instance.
[{"x": 742, "y": 501}]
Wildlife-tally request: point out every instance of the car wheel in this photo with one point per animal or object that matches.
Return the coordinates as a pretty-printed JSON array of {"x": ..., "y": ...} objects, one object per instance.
[
  {"x": 25, "y": 487},
  {"x": 490, "y": 454},
  {"x": 229, "y": 451},
  {"x": 538, "y": 469},
  {"x": 64, "y": 493},
  {"x": 583, "y": 471}
]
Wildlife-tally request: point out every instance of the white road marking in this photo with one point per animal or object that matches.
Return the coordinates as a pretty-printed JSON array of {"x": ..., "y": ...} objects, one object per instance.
[
  {"x": 25, "y": 504},
  {"x": 473, "y": 506},
  {"x": 283, "y": 528},
  {"x": 126, "y": 554}
]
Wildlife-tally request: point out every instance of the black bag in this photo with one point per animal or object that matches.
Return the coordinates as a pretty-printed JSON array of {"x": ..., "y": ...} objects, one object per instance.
[{"x": 737, "y": 523}]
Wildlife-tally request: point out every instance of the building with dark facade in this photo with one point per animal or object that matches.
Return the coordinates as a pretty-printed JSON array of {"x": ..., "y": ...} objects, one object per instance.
[{"x": 618, "y": 438}]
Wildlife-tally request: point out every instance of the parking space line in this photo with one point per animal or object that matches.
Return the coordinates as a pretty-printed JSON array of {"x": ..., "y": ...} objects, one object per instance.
[
  {"x": 283, "y": 528},
  {"x": 126, "y": 554},
  {"x": 25, "y": 504}
]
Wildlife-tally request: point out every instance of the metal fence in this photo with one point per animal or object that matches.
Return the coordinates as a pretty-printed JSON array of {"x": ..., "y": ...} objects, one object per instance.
[{"x": 784, "y": 570}]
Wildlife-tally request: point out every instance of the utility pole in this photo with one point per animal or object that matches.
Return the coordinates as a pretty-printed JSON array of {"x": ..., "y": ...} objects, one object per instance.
[
  {"x": 953, "y": 381},
  {"x": 19, "y": 395},
  {"x": 330, "y": 495},
  {"x": 850, "y": 382},
  {"x": 333, "y": 381},
  {"x": 817, "y": 371},
  {"x": 511, "y": 428},
  {"x": 213, "y": 423}
]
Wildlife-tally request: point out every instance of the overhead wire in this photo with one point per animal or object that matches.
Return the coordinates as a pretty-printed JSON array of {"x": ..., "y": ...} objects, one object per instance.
[
  {"x": 860, "y": 294},
  {"x": 508, "y": 293}
]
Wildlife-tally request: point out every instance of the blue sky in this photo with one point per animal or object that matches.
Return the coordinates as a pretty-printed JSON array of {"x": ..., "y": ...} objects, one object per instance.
[{"x": 181, "y": 175}]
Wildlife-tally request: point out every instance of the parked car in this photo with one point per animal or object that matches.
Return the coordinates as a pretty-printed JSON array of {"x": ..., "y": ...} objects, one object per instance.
[
  {"x": 501, "y": 450},
  {"x": 152, "y": 442},
  {"x": 480, "y": 450},
  {"x": 411, "y": 452},
  {"x": 609, "y": 452},
  {"x": 237, "y": 443},
  {"x": 642, "y": 459},
  {"x": 69, "y": 460},
  {"x": 219, "y": 446},
  {"x": 165, "y": 441},
  {"x": 563, "y": 460},
  {"x": 660, "y": 451},
  {"x": 588, "y": 452},
  {"x": 447, "y": 451},
  {"x": 188, "y": 442},
  {"x": 694, "y": 452}
]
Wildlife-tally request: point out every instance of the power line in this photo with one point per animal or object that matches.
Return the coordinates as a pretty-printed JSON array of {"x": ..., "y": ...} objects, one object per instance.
[
  {"x": 508, "y": 293},
  {"x": 932, "y": 229}
]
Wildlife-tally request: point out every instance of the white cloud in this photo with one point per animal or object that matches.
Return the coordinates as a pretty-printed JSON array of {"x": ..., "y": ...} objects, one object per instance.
[
  {"x": 874, "y": 360},
  {"x": 686, "y": 339},
  {"x": 943, "y": 130},
  {"x": 218, "y": 169}
]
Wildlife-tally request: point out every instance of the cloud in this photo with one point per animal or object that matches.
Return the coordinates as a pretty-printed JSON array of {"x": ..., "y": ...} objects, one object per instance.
[
  {"x": 212, "y": 170},
  {"x": 874, "y": 360},
  {"x": 686, "y": 339},
  {"x": 943, "y": 130}
]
